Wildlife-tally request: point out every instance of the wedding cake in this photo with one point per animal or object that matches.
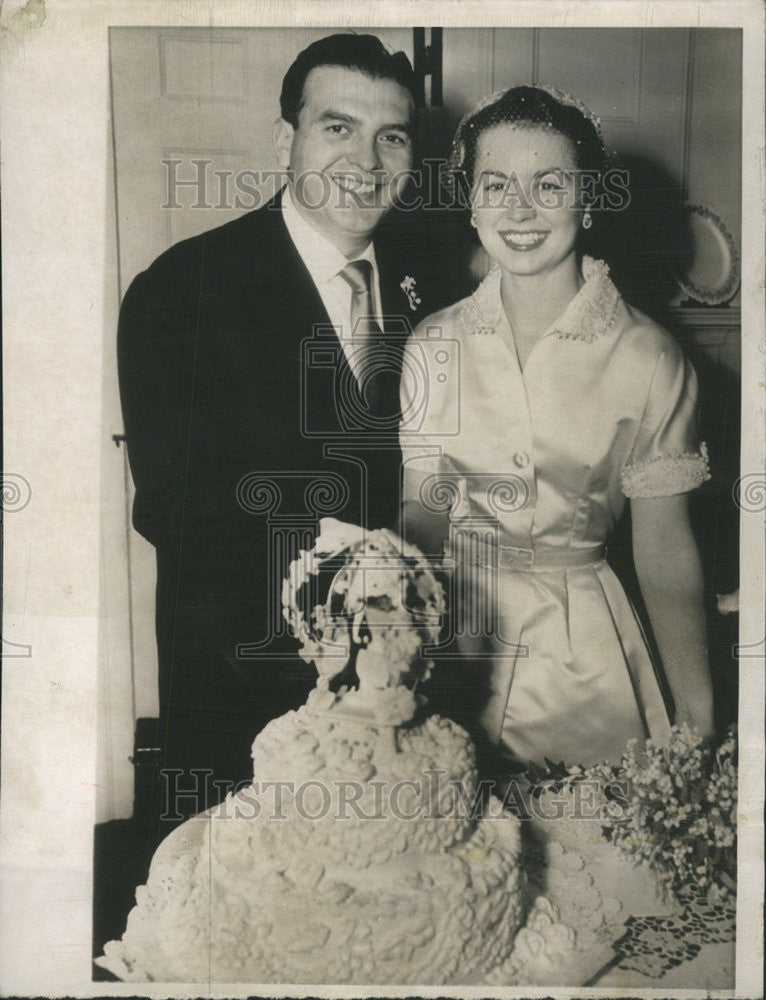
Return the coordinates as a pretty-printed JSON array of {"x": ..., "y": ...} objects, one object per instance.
[{"x": 362, "y": 852}]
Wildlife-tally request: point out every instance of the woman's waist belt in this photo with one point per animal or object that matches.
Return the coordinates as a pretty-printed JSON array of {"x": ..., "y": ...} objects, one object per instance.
[{"x": 482, "y": 553}]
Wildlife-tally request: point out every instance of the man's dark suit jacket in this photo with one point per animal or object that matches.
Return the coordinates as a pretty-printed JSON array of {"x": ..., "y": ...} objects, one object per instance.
[{"x": 231, "y": 399}]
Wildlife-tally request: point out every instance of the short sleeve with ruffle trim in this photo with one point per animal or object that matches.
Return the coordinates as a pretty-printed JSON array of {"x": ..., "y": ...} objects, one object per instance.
[{"x": 667, "y": 456}]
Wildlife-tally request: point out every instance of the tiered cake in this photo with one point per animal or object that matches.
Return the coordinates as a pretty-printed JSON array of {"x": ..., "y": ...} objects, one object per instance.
[{"x": 357, "y": 854}]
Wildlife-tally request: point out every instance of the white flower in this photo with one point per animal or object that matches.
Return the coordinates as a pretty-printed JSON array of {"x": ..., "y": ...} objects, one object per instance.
[{"x": 407, "y": 285}]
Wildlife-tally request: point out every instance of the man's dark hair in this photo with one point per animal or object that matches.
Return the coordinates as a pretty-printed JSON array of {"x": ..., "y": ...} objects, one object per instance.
[{"x": 365, "y": 53}]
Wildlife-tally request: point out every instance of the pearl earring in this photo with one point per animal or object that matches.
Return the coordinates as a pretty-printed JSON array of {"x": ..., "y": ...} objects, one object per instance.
[
  {"x": 587, "y": 220},
  {"x": 473, "y": 219}
]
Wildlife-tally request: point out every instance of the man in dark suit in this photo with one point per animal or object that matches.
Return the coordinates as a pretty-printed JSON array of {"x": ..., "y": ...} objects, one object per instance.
[{"x": 250, "y": 412}]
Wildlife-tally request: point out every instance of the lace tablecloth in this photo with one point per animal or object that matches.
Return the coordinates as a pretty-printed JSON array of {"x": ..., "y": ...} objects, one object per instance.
[{"x": 693, "y": 948}]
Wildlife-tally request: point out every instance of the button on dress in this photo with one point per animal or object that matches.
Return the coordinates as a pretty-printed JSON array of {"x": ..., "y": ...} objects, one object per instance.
[{"x": 535, "y": 468}]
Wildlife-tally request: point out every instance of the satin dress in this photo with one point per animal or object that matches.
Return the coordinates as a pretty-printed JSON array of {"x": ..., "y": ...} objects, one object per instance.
[{"x": 535, "y": 468}]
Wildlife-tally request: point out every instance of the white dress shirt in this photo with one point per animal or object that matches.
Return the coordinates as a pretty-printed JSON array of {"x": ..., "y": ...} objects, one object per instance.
[{"x": 324, "y": 263}]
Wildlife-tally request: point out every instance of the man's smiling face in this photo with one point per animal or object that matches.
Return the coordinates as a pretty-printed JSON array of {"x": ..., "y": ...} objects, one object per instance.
[{"x": 350, "y": 154}]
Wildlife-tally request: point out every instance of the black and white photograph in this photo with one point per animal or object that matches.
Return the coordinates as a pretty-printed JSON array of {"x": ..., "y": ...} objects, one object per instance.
[{"x": 383, "y": 497}]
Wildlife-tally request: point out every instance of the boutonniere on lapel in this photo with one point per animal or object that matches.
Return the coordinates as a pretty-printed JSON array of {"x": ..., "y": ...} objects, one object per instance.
[{"x": 408, "y": 287}]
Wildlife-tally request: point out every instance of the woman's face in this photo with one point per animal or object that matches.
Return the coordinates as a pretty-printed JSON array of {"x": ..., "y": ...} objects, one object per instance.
[{"x": 525, "y": 197}]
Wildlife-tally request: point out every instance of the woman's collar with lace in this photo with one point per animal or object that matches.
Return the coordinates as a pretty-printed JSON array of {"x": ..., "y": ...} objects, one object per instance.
[{"x": 588, "y": 316}]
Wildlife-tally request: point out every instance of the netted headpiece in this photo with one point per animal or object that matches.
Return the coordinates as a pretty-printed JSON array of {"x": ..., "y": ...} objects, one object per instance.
[{"x": 525, "y": 107}]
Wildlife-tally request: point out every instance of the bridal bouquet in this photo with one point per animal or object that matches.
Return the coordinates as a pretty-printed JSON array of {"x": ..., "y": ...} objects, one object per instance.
[
  {"x": 675, "y": 811},
  {"x": 681, "y": 814}
]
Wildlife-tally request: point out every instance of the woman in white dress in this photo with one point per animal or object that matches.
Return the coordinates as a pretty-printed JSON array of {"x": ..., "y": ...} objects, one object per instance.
[{"x": 548, "y": 401}]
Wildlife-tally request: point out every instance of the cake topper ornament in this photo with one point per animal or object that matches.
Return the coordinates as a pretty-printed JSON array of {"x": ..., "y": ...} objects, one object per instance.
[{"x": 383, "y": 604}]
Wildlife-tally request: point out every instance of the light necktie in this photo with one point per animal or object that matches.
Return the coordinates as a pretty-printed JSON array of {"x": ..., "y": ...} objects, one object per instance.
[{"x": 374, "y": 367}]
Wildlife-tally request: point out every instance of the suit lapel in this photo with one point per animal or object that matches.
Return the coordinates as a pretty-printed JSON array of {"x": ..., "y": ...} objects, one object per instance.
[
  {"x": 304, "y": 311},
  {"x": 296, "y": 287}
]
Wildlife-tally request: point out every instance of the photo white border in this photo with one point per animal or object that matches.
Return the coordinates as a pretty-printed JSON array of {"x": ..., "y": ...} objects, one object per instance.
[{"x": 59, "y": 293}]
